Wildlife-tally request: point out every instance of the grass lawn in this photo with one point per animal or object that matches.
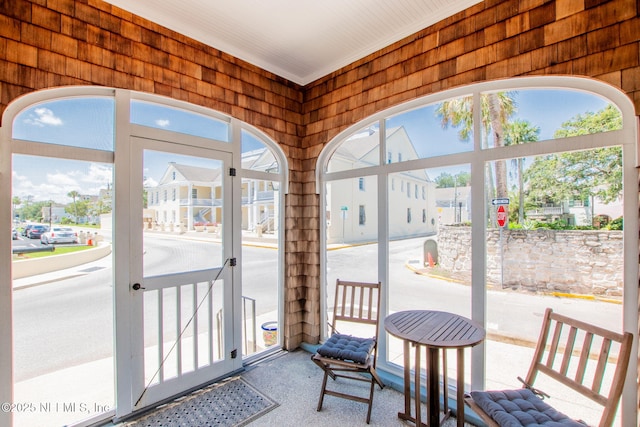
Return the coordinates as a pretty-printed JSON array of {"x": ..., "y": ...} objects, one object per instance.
[{"x": 58, "y": 251}]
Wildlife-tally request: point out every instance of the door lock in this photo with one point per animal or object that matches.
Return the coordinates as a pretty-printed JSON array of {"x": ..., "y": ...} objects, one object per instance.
[{"x": 137, "y": 287}]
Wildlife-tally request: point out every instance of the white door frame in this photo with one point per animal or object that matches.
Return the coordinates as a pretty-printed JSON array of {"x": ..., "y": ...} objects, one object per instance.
[{"x": 184, "y": 145}]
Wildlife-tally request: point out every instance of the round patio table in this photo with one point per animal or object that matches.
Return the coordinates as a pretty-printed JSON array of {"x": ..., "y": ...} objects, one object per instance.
[{"x": 435, "y": 330}]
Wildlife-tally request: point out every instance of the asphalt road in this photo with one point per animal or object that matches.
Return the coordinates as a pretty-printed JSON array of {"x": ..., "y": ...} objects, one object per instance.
[{"x": 70, "y": 321}]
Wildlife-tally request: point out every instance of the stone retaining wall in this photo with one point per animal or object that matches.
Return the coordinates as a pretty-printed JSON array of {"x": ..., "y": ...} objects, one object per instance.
[{"x": 569, "y": 261}]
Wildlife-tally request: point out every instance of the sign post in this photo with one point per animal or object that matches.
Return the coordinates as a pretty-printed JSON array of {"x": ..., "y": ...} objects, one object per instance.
[
  {"x": 502, "y": 218},
  {"x": 344, "y": 210}
]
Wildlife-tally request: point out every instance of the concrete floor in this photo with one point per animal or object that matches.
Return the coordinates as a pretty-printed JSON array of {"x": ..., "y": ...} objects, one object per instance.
[{"x": 294, "y": 381}]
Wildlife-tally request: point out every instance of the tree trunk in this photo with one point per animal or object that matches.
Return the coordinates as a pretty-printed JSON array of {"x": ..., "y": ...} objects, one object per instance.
[
  {"x": 495, "y": 117},
  {"x": 520, "y": 191}
]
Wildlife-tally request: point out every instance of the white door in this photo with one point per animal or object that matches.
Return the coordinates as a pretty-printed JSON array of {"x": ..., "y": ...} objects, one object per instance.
[{"x": 181, "y": 288}]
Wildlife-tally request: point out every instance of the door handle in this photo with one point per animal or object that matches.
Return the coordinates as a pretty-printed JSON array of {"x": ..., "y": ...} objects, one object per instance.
[{"x": 137, "y": 287}]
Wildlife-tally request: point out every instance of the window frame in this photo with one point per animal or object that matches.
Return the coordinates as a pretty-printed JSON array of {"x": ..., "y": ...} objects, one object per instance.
[
  {"x": 362, "y": 215},
  {"x": 124, "y": 130},
  {"x": 626, "y": 137}
]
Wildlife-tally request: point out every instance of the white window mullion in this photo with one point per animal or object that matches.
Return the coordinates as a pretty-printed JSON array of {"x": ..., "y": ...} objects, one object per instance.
[
  {"x": 128, "y": 376},
  {"x": 478, "y": 252}
]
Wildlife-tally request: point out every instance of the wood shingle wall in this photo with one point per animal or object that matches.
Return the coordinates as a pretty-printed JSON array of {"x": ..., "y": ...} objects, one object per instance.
[
  {"x": 489, "y": 41},
  {"x": 50, "y": 43}
]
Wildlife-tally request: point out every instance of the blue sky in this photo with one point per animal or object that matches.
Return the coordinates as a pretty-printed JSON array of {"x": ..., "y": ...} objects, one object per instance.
[
  {"x": 544, "y": 108},
  {"x": 88, "y": 122}
]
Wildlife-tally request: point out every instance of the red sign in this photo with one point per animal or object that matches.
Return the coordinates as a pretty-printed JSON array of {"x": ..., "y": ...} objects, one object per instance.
[{"x": 501, "y": 216}]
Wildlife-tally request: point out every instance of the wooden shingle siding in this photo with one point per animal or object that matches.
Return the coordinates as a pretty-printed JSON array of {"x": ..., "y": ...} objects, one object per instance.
[
  {"x": 492, "y": 40},
  {"x": 49, "y": 43}
]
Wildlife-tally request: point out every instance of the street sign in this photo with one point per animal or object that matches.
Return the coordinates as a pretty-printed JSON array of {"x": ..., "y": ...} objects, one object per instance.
[
  {"x": 501, "y": 217},
  {"x": 501, "y": 201}
]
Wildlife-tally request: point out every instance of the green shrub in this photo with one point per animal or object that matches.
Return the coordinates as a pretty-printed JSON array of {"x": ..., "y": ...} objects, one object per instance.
[{"x": 616, "y": 224}]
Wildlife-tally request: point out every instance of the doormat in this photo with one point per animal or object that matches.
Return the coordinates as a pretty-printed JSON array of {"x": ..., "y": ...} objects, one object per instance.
[{"x": 233, "y": 402}]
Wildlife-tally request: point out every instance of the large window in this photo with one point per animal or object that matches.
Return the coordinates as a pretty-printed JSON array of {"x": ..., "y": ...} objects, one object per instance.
[
  {"x": 70, "y": 357},
  {"x": 506, "y": 198}
]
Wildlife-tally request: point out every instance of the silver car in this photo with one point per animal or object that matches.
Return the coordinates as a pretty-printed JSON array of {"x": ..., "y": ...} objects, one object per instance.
[{"x": 59, "y": 235}]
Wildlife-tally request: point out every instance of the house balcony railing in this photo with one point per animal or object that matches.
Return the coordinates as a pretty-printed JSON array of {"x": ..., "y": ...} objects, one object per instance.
[
  {"x": 552, "y": 210},
  {"x": 201, "y": 202},
  {"x": 261, "y": 196}
]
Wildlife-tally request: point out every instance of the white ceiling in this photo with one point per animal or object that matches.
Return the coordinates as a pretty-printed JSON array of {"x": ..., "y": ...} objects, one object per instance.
[{"x": 299, "y": 40}]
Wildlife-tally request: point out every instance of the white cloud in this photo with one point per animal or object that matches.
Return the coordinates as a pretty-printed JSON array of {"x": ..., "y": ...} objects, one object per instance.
[
  {"x": 55, "y": 185},
  {"x": 62, "y": 179},
  {"x": 163, "y": 123},
  {"x": 98, "y": 174},
  {"x": 43, "y": 117},
  {"x": 150, "y": 183},
  {"x": 26, "y": 189}
]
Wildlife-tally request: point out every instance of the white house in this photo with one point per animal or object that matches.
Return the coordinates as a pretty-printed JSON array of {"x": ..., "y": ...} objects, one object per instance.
[
  {"x": 454, "y": 205},
  {"x": 352, "y": 205},
  {"x": 186, "y": 195},
  {"x": 191, "y": 195}
]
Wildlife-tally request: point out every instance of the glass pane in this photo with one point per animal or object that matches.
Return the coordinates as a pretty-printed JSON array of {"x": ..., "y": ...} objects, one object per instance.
[
  {"x": 178, "y": 338},
  {"x": 429, "y": 131},
  {"x": 178, "y": 120},
  {"x": 256, "y": 155},
  {"x": 75, "y": 122},
  {"x": 525, "y": 116},
  {"x": 183, "y": 197},
  {"x": 561, "y": 247},
  {"x": 428, "y": 246},
  {"x": 360, "y": 150},
  {"x": 62, "y": 290},
  {"x": 352, "y": 233},
  {"x": 260, "y": 267}
]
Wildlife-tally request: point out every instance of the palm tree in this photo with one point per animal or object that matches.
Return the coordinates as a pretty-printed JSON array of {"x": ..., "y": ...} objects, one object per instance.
[
  {"x": 15, "y": 201},
  {"x": 496, "y": 108},
  {"x": 500, "y": 107},
  {"x": 74, "y": 194},
  {"x": 520, "y": 132}
]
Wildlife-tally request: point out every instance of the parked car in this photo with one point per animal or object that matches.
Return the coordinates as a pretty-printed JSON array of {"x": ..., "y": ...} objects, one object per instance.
[
  {"x": 34, "y": 231},
  {"x": 25, "y": 229},
  {"x": 59, "y": 235}
]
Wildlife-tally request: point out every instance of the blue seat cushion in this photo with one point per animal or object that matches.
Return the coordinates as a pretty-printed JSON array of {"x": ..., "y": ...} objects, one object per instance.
[
  {"x": 520, "y": 407},
  {"x": 347, "y": 347}
]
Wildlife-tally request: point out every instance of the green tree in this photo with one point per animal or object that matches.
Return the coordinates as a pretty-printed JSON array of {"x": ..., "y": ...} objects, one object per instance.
[
  {"x": 496, "y": 109},
  {"x": 74, "y": 195},
  {"x": 79, "y": 208},
  {"x": 99, "y": 207},
  {"x": 579, "y": 175},
  {"x": 15, "y": 202},
  {"x": 33, "y": 211},
  {"x": 520, "y": 132},
  {"x": 446, "y": 180}
]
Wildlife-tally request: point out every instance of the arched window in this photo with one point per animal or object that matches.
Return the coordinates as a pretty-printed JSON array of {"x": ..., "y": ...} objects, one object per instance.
[
  {"x": 557, "y": 153},
  {"x": 136, "y": 173}
]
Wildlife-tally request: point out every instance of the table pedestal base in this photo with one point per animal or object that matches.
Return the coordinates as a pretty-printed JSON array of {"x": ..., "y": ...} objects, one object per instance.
[
  {"x": 435, "y": 331},
  {"x": 434, "y": 417}
]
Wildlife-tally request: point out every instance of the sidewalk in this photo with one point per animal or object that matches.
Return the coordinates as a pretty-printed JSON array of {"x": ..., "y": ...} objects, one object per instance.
[
  {"x": 80, "y": 380},
  {"x": 65, "y": 405}
]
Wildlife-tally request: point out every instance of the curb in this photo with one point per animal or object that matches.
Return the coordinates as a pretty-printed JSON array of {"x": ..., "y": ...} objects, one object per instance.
[
  {"x": 37, "y": 266},
  {"x": 423, "y": 272}
]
